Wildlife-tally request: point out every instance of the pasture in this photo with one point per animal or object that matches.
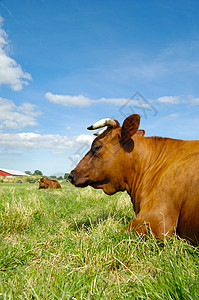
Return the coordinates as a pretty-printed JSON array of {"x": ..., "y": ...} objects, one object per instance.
[{"x": 68, "y": 244}]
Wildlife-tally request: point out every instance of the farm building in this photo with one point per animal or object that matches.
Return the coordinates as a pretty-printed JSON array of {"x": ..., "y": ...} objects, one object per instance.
[{"x": 10, "y": 173}]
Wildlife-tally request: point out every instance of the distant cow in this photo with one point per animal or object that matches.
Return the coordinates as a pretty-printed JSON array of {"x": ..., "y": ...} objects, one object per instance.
[
  {"x": 46, "y": 183},
  {"x": 160, "y": 174}
]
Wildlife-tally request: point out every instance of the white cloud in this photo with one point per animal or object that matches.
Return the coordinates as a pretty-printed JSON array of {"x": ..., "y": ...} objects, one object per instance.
[
  {"x": 28, "y": 141},
  {"x": 170, "y": 99},
  {"x": 67, "y": 100},
  {"x": 114, "y": 101},
  {"x": 194, "y": 101},
  {"x": 76, "y": 157},
  {"x": 11, "y": 72},
  {"x": 58, "y": 152},
  {"x": 80, "y": 100},
  {"x": 173, "y": 116},
  {"x": 28, "y": 109},
  {"x": 177, "y": 99},
  {"x": 85, "y": 139},
  {"x": 17, "y": 117}
]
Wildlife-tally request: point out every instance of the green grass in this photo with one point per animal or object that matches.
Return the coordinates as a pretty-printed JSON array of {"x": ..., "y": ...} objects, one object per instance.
[{"x": 68, "y": 244}]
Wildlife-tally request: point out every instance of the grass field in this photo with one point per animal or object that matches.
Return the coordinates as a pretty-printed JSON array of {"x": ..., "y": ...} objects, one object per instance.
[{"x": 68, "y": 244}]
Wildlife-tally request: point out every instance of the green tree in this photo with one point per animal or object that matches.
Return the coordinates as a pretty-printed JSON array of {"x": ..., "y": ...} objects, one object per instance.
[
  {"x": 28, "y": 172},
  {"x": 66, "y": 175},
  {"x": 37, "y": 172}
]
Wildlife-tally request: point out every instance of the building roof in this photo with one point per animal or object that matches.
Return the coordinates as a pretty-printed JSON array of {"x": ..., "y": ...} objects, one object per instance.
[{"x": 14, "y": 172}]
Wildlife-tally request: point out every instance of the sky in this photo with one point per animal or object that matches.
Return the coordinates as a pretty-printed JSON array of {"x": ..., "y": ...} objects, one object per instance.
[{"x": 67, "y": 64}]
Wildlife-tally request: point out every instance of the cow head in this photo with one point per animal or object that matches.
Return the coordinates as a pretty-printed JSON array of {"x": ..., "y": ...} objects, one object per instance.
[
  {"x": 104, "y": 164},
  {"x": 42, "y": 183}
]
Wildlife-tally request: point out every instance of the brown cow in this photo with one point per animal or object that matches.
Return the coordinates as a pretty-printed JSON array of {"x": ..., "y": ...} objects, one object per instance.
[
  {"x": 46, "y": 183},
  {"x": 160, "y": 174}
]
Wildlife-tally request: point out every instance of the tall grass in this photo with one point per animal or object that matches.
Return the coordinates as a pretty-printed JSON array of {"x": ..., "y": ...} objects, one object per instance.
[{"x": 68, "y": 244}]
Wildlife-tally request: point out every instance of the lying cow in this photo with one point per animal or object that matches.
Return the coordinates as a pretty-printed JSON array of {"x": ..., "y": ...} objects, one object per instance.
[
  {"x": 160, "y": 174},
  {"x": 46, "y": 183}
]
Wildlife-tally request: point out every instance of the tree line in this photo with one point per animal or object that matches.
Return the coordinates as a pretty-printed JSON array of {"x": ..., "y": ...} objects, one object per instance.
[{"x": 38, "y": 172}]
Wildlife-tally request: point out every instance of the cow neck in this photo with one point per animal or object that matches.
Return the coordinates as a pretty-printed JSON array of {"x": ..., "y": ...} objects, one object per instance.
[{"x": 145, "y": 162}]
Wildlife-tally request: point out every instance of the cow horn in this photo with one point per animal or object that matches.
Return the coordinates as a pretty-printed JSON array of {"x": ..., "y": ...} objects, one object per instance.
[{"x": 104, "y": 122}]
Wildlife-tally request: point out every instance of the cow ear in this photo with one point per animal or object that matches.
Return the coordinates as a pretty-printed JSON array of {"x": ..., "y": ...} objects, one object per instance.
[
  {"x": 130, "y": 126},
  {"x": 140, "y": 132}
]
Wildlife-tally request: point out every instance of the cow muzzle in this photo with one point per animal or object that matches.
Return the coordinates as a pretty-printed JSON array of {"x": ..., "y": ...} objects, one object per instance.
[
  {"x": 71, "y": 177},
  {"x": 76, "y": 179}
]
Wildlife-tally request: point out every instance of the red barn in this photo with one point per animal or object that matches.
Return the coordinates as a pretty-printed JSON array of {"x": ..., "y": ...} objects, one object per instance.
[{"x": 10, "y": 173}]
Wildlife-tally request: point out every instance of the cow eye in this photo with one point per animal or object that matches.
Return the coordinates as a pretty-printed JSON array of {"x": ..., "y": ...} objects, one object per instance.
[{"x": 94, "y": 150}]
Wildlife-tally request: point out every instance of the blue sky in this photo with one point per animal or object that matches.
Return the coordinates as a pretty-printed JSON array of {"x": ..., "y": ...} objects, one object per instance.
[{"x": 66, "y": 64}]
